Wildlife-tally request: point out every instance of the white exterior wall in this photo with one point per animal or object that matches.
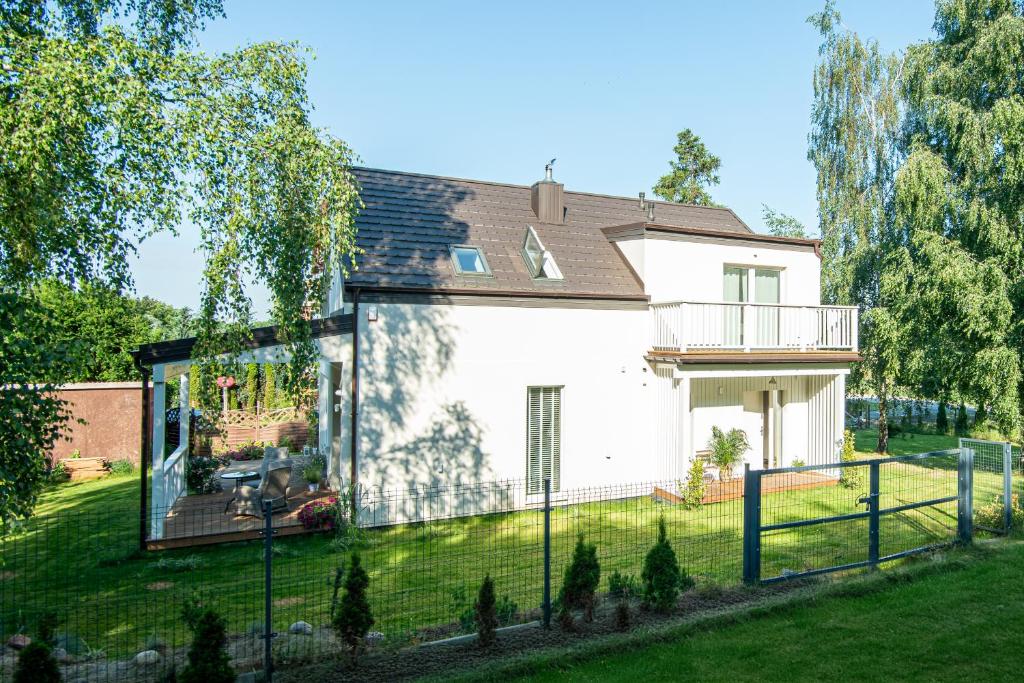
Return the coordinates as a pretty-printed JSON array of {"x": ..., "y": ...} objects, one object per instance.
[
  {"x": 443, "y": 392},
  {"x": 685, "y": 268}
]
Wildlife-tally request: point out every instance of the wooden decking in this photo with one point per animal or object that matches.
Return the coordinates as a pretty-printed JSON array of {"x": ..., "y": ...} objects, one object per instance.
[
  {"x": 719, "y": 491},
  {"x": 202, "y": 520}
]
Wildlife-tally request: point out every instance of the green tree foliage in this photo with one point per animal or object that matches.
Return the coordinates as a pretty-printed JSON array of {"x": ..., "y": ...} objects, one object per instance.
[
  {"x": 114, "y": 126},
  {"x": 661, "y": 576},
  {"x": 780, "y": 224},
  {"x": 208, "y": 660},
  {"x": 962, "y": 197},
  {"x": 855, "y": 146},
  {"x": 353, "y": 618},
  {"x": 582, "y": 577},
  {"x": 270, "y": 399},
  {"x": 485, "y": 613},
  {"x": 252, "y": 386},
  {"x": 692, "y": 172},
  {"x": 31, "y": 414}
]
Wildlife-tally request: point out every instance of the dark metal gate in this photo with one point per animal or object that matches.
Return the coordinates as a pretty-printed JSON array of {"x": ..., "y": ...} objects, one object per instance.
[{"x": 865, "y": 512}]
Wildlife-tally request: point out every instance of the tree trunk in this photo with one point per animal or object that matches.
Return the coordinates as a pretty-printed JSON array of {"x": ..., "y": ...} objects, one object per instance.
[{"x": 883, "y": 423}]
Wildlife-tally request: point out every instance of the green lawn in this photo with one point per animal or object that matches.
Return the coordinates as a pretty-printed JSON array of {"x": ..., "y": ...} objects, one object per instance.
[
  {"x": 84, "y": 562},
  {"x": 959, "y": 623}
]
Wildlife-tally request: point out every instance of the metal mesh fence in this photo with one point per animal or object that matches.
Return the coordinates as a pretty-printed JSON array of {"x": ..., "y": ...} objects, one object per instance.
[
  {"x": 997, "y": 467},
  {"x": 113, "y": 601}
]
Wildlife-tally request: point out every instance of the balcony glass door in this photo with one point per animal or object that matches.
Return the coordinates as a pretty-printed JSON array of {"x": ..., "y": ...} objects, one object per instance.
[
  {"x": 736, "y": 285},
  {"x": 766, "y": 291}
]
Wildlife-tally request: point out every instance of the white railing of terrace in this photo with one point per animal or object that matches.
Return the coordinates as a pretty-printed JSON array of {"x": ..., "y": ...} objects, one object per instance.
[{"x": 695, "y": 326}]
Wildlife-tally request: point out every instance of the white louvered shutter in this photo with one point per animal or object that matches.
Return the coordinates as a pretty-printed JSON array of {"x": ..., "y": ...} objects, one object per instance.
[{"x": 543, "y": 438}]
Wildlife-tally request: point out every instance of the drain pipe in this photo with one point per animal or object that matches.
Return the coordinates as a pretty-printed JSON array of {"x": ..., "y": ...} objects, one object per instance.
[
  {"x": 144, "y": 453},
  {"x": 354, "y": 428}
]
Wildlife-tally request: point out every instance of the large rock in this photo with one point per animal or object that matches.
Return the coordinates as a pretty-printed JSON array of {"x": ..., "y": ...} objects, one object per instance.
[
  {"x": 147, "y": 658},
  {"x": 301, "y": 628},
  {"x": 374, "y": 638},
  {"x": 62, "y": 656},
  {"x": 19, "y": 641}
]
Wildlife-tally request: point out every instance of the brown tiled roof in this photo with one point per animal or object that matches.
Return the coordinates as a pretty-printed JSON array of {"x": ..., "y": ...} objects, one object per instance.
[{"x": 410, "y": 220}]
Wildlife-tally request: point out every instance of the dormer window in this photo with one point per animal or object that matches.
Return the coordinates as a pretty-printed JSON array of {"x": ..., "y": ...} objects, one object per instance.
[
  {"x": 469, "y": 261},
  {"x": 539, "y": 260}
]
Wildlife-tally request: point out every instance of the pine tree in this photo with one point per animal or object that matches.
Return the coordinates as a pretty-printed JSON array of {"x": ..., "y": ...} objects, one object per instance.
[
  {"x": 941, "y": 420},
  {"x": 353, "y": 618},
  {"x": 486, "y": 613},
  {"x": 582, "y": 577},
  {"x": 662, "y": 578},
  {"x": 208, "y": 660}
]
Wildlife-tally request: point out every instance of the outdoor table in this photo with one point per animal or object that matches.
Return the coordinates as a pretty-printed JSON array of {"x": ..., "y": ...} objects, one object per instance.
[{"x": 239, "y": 478}]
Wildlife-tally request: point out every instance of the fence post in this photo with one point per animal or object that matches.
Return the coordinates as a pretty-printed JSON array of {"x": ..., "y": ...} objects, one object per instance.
[
  {"x": 751, "y": 525},
  {"x": 1007, "y": 487},
  {"x": 547, "y": 553},
  {"x": 268, "y": 556},
  {"x": 965, "y": 496},
  {"x": 874, "y": 508}
]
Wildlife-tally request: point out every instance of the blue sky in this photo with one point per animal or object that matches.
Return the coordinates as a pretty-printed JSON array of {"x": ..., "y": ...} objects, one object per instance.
[{"x": 494, "y": 90}]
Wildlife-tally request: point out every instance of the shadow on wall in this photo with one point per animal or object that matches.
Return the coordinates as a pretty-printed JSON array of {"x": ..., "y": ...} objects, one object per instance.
[{"x": 407, "y": 444}]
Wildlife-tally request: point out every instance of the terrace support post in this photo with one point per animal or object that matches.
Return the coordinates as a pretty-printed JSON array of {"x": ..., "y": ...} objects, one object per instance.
[
  {"x": 184, "y": 415},
  {"x": 144, "y": 457},
  {"x": 751, "y": 525},
  {"x": 874, "y": 521},
  {"x": 268, "y": 586},
  {"x": 546, "y": 604},
  {"x": 1007, "y": 487},
  {"x": 965, "y": 496},
  {"x": 159, "y": 412}
]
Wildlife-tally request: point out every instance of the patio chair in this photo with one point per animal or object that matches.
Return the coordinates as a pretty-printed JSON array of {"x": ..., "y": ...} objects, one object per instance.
[
  {"x": 273, "y": 487},
  {"x": 272, "y": 459}
]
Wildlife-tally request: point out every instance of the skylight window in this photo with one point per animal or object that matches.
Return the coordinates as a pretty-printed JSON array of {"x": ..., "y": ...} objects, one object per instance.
[
  {"x": 469, "y": 261},
  {"x": 538, "y": 259}
]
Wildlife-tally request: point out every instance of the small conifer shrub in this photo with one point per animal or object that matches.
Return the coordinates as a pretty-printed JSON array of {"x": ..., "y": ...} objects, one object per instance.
[
  {"x": 208, "y": 660},
  {"x": 353, "y": 618},
  {"x": 582, "y": 578},
  {"x": 662, "y": 578},
  {"x": 486, "y": 613}
]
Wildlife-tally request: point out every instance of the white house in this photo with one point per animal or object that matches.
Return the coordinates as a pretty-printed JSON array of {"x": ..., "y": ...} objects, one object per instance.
[
  {"x": 508, "y": 332},
  {"x": 503, "y": 332}
]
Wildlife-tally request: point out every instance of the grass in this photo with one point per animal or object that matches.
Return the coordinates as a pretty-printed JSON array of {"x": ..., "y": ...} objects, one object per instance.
[
  {"x": 949, "y": 622},
  {"x": 84, "y": 560}
]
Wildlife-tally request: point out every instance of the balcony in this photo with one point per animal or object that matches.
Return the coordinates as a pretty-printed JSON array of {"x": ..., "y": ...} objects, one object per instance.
[{"x": 683, "y": 326}]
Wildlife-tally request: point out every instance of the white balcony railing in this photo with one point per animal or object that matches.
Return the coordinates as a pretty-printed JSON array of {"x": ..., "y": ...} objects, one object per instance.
[{"x": 690, "y": 326}]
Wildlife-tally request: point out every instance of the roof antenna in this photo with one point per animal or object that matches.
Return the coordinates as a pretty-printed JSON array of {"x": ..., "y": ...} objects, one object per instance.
[
  {"x": 547, "y": 170},
  {"x": 643, "y": 201},
  {"x": 650, "y": 212}
]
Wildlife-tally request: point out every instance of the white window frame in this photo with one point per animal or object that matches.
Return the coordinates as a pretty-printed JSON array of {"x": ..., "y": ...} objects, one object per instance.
[
  {"x": 542, "y": 266},
  {"x": 535, "y": 468},
  {"x": 486, "y": 272},
  {"x": 750, "y": 277}
]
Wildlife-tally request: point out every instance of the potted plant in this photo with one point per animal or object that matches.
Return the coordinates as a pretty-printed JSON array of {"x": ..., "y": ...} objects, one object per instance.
[
  {"x": 727, "y": 449},
  {"x": 312, "y": 476}
]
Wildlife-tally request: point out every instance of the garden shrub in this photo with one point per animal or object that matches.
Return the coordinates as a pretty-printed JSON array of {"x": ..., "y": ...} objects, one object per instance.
[
  {"x": 208, "y": 660},
  {"x": 662, "y": 577},
  {"x": 485, "y": 613},
  {"x": 120, "y": 468},
  {"x": 992, "y": 515},
  {"x": 727, "y": 449},
  {"x": 320, "y": 514},
  {"x": 582, "y": 578},
  {"x": 622, "y": 585},
  {"x": 849, "y": 477},
  {"x": 36, "y": 665},
  {"x": 623, "y": 615},
  {"x": 506, "y": 610},
  {"x": 694, "y": 490},
  {"x": 201, "y": 475},
  {"x": 353, "y": 618}
]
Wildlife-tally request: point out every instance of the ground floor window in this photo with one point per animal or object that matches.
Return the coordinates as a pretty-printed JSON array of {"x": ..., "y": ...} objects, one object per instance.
[{"x": 543, "y": 438}]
